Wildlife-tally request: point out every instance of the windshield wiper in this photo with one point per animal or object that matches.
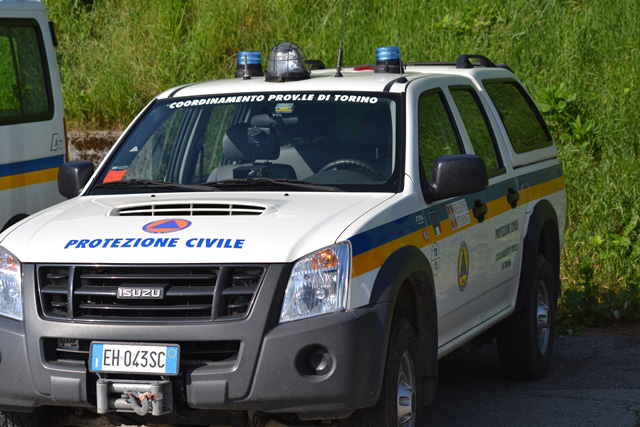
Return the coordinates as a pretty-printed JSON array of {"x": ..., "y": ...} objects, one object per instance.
[
  {"x": 148, "y": 183},
  {"x": 262, "y": 181}
]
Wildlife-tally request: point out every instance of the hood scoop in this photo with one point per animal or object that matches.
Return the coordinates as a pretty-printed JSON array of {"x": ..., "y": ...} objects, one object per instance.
[{"x": 188, "y": 209}]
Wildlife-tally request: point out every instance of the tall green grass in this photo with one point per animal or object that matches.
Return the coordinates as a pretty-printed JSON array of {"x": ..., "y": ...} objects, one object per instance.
[{"x": 580, "y": 59}]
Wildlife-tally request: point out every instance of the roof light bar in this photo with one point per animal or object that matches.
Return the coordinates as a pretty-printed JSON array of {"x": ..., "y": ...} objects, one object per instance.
[{"x": 388, "y": 60}]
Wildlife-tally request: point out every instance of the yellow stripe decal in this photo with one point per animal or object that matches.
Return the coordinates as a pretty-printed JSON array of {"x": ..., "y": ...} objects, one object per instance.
[{"x": 374, "y": 258}]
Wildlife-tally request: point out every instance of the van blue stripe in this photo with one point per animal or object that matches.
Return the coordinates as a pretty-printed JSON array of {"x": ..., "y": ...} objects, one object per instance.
[{"x": 31, "y": 165}]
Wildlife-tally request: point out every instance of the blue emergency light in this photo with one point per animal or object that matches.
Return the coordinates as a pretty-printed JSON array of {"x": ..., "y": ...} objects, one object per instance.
[
  {"x": 388, "y": 60},
  {"x": 253, "y": 64}
]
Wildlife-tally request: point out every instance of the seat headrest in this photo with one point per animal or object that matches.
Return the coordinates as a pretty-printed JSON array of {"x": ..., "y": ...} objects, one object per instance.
[{"x": 244, "y": 143}]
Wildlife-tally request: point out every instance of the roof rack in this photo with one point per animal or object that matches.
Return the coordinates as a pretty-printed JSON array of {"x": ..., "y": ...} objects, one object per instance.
[{"x": 464, "y": 61}]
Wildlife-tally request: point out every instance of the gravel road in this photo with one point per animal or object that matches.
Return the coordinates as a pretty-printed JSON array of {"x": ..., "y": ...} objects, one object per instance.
[{"x": 595, "y": 381}]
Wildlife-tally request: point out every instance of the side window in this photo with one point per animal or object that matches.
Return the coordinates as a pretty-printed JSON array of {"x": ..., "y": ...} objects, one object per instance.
[
  {"x": 478, "y": 127},
  {"x": 149, "y": 159},
  {"x": 25, "y": 94},
  {"x": 520, "y": 117},
  {"x": 9, "y": 94},
  {"x": 183, "y": 148},
  {"x": 436, "y": 133}
]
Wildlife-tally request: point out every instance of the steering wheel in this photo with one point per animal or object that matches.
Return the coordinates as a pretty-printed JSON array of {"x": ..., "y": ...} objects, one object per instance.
[{"x": 351, "y": 163}]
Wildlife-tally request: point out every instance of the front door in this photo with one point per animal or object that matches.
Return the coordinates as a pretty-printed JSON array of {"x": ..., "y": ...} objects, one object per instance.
[{"x": 459, "y": 250}]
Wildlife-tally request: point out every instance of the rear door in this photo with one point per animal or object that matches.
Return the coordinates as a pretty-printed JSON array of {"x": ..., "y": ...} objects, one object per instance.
[
  {"x": 502, "y": 222},
  {"x": 536, "y": 172}
]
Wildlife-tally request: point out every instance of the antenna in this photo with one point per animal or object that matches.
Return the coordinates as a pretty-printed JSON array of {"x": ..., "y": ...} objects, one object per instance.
[
  {"x": 244, "y": 34},
  {"x": 245, "y": 72},
  {"x": 344, "y": 18},
  {"x": 400, "y": 56}
]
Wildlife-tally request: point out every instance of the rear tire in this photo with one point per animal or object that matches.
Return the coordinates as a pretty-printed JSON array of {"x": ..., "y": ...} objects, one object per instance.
[
  {"x": 400, "y": 402},
  {"x": 525, "y": 340}
]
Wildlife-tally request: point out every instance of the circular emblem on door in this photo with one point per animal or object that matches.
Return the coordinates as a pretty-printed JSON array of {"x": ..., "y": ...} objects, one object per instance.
[{"x": 166, "y": 226}]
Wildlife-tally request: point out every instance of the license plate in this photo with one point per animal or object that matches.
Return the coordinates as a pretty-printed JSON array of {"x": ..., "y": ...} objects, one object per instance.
[{"x": 138, "y": 358}]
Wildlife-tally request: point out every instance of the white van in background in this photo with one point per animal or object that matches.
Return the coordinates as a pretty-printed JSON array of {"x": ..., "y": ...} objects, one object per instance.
[{"x": 32, "y": 130}]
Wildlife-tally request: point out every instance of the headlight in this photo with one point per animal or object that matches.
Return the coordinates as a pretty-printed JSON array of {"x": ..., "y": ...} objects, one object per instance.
[
  {"x": 318, "y": 284},
  {"x": 10, "y": 285}
]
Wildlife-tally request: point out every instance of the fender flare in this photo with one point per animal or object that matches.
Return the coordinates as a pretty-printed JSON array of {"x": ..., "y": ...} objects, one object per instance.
[
  {"x": 395, "y": 270},
  {"x": 543, "y": 213},
  {"x": 408, "y": 265}
]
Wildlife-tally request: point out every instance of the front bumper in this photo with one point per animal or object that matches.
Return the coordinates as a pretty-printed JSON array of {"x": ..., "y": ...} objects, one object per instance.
[{"x": 271, "y": 372}]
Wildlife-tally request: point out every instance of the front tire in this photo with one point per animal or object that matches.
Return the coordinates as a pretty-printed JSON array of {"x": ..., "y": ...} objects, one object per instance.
[
  {"x": 400, "y": 398},
  {"x": 525, "y": 340},
  {"x": 23, "y": 419}
]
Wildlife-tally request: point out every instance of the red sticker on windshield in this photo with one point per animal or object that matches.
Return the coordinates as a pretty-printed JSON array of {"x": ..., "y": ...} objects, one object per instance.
[{"x": 114, "y": 176}]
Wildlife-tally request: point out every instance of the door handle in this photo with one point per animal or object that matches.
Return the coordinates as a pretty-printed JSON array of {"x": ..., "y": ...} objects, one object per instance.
[
  {"x": 480, "y": 209},
  {"x": 512, "y": 197}
]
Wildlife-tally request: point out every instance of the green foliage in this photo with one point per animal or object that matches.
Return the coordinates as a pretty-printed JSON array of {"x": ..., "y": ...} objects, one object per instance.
[
  {"x": 579, "y": 58},
  {"x": 558, "y": 107}
]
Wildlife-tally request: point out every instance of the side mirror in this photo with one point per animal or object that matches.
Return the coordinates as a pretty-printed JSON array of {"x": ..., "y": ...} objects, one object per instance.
[
  {"x": 73, "y": 176},
  {"x": 456, "y": 175}
]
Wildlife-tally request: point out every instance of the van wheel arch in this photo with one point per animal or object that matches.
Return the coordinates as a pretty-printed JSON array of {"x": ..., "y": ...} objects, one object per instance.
[{"x": 14, "y": 220}]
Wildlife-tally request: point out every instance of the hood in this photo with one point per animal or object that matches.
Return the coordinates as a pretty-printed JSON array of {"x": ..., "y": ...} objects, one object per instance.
[{"x": 185, "y": 229}]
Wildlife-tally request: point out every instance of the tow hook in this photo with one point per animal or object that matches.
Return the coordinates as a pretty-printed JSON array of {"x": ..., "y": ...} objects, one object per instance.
[
  {"x": 140, "y": 402},
  {"x": 141, "y": 397}
]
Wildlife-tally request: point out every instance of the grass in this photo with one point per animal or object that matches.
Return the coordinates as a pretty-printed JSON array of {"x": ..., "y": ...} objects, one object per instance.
[{"x": 579, "y": 59}]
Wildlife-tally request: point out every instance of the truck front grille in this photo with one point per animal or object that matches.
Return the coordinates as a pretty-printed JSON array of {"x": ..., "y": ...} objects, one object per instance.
[{"x": 147, "y": 293}]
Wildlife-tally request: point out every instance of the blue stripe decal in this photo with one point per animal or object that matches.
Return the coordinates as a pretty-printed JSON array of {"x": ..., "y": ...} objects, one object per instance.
[
  {"x": 544, "y": 175},
  {"x": 385, "y": 233},
  {"x": 31, "y": 165},
  {"x": 497, "y": 190}
]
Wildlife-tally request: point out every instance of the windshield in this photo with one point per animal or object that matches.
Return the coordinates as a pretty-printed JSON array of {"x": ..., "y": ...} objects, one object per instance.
[{"x": 259, "y": 142}]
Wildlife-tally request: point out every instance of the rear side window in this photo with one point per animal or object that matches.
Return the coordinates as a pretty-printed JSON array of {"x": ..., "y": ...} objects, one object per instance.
[
  {"x": 478, "y": 128},
  {"x": 25, "y": 91},
  {"x": 520, "y": 117}
]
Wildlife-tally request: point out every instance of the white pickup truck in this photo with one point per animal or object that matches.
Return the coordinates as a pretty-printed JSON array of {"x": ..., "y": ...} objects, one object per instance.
[{"x": 298, "y": 248}]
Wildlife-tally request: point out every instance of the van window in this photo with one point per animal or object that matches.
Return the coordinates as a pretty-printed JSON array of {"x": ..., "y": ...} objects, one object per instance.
[
  {"x": 25, "y": 94},
  {"x": 521, "y": 118}
]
